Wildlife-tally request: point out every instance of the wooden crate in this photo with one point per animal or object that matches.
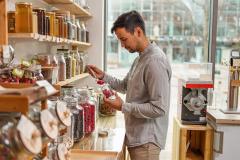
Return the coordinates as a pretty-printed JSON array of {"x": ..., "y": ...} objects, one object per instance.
[{"x": 191, "y": 142}]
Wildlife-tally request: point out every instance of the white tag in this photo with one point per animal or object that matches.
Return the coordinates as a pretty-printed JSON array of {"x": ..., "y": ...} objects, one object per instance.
[
  {"x": 50, "y": 89},
  {"x": 24, "y": 125}
]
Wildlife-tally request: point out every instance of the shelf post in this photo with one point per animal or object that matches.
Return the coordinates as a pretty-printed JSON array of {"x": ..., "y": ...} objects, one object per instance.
[{"x": 3, "y": 20}]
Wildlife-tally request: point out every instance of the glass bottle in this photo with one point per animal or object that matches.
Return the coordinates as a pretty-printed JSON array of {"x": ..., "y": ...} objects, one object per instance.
[
  {"x": 11, "y": 22},
  {"x": 83, "y": 32},
  {"x": 78, "y": 60},
  {"x": 52, "y": 23},
  {"x": 78, "y": 30},
  {"x": 41, "y": 18},
  {"x": 61, "y": 65},
  {"x": 68, "y": 60},
  {"x": 74, "y": 64}
]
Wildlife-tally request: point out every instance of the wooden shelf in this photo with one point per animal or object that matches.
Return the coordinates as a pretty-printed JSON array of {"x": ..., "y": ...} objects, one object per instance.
[
  {"x": 44, "y": 38},
  {"x": 71, "y": 6},
  {"x": 78, "y": 77}
]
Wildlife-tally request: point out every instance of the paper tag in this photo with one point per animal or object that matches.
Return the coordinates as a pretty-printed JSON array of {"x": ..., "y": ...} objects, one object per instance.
[
  {"x": 49, "y": 124},
  {"x": 24, "y": 125},
  {"x": 50, "y": 89},
  {"x": 63, "y": 112}
]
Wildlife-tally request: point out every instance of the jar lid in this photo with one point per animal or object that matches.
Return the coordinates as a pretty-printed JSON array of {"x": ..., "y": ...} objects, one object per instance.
[
  {"x": 63, "y": 113},
  {"x": 23, "y": 3},
  {"x": 29, "y": 135},
  {"x": 39, "y": 9},
  {"x": 62, "y": 152},
  {"x": 49, "y": 124}
]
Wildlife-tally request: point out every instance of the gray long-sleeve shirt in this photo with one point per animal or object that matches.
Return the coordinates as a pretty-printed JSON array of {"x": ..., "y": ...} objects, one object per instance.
[{"x": 147, "y": 88}]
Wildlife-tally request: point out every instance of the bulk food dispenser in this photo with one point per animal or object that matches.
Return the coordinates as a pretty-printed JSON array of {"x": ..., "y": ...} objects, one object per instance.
[{"x": 193, "y": 89}]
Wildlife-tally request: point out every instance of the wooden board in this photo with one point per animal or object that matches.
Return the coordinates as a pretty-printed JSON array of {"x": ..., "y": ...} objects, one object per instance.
[
  {"x": 78, "y": 77},
  {"x": 220, "y": 118},
  {"x": 77, "y": 154}
]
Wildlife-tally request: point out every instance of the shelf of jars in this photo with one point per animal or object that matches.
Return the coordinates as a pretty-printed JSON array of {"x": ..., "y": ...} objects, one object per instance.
[
  {"x": 71, "y": 6},
  {"x": 77, "y": 77},
  {"x": 46, "y": 38}
]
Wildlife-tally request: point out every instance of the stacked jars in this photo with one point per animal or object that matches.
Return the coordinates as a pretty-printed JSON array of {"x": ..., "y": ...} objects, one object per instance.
[{"x": 89, "y": 110}]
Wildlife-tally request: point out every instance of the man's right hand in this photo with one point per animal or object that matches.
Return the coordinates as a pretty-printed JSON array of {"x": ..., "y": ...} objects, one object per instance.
[{"x": 95, "y": 72}]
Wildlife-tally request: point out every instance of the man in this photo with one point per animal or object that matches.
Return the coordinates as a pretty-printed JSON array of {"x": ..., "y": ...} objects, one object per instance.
[{"x": 147, "y": 88}]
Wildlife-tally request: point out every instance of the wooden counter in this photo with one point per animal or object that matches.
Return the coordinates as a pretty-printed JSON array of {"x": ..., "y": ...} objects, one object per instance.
[
  {"x": 219, "y": 117},
  {"x": 103, "y": 147}
]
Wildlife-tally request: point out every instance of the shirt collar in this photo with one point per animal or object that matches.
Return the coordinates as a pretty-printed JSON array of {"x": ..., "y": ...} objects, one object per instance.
[{"x": 147, "y": 49}]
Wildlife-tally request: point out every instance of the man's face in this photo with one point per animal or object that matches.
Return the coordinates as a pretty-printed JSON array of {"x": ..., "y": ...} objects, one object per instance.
[{"x": 128, "y": 40}]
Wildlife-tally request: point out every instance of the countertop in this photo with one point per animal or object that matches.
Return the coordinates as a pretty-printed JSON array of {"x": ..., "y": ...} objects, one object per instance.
[{"x": 219, "y": 117}]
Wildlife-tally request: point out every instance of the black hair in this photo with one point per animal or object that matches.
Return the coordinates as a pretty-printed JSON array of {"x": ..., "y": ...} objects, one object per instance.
[{"x": 129, "y": 21}]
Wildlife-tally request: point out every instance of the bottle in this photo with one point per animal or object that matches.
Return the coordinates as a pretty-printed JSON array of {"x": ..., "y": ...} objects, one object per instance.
[{"x": 108, "y": 93}]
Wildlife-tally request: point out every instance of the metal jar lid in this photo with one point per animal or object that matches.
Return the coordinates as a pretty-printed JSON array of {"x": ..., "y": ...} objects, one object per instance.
[
  {"x": 29, "y": 135},
  {"x": 49, "y": 124},
  {"x": 63, "y": 113}
]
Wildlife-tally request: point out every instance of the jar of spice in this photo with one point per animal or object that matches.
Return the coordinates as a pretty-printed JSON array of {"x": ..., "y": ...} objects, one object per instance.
[
  {"x": 11, "y": 22},
  {"x": 35, "y": 22},
  {"x": 68, "y": 59},
  {"x": 56, "y": 27},
  {"x": 23, "y": 17},
  {"x": 52, "y": 23},
  {"x": 77, "y": 57},
  {"x": 47, "y": 28},
  {"x": 74, "y": 64},
  {"x": 61, "y": 26}
]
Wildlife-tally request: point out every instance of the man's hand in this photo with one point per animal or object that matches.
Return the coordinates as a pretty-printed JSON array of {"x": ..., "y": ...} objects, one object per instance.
[
  {"x": 116, "y": 103},
  {"x": 95, "y": 72}
]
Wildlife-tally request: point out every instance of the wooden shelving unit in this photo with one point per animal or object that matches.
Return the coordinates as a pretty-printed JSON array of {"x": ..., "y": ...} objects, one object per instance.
[
  {"x": 71, "y": 6},
  {"x": 78, "y": 77},
  {"x": 44, "y": 38}
]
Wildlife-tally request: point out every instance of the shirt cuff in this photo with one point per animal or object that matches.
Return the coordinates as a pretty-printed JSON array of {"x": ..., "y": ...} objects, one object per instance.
[{"x": 126, "y": 108}]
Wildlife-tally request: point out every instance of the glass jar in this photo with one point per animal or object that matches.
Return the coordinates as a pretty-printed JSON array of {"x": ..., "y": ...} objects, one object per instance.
[
  {"x": 34, "y": 22},
  {"x": 56, "y": 27},
  {"x": 41, "y": 16},
  {"x": 52, "y": 23},
  {"x": 61, "y": 66},
  {"x": 74, "y": 64},
  {"x": 77, "y": 127},
  {"x": 78, "y": 30},
  {"x": 81, "y": 63},
  {"x": 58, "y": 151},
  {"x": 74, "y": 27},
  {"x": 43, "y": 59},
  {"x": 11, "y": 22},
  {"x": 70, "y": 28},
  {"x": 15, "y": 142},
  {"x": 105, "y": 110},
  {"x": 46, "y": 123},
  {"x": 65, "y": 32},
  {"x": 23, "y": 17},
  {"x": 89, "y": 110},
  {"x": 68, "y": 59},
  {"x": 105, "y": 88},
  {"x": 85, "y": 61},
  {"x": 61, "y": 26},
  {"x": 47, "y": 28},
  {"x": 77, "y": 57},
  {"x": 83, "y": 32}
]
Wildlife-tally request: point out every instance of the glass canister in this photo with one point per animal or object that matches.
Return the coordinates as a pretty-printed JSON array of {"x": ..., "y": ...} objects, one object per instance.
[
  {"x": 34, "y": 22},
  {"x": 46, "y": 123},
  {"x": 61, "y": 65},
  {"x": 68, "y": 59},
  {"x": 74, "y": 27},
  {"x": 11, "y": 22},
  {"x": 83, "y": 32},
  {"x": 52, "y": 23},
  {"x": 89, "y": 110},
  {"x": 47, "y": 28},
  {"x": 74, "y": 64},
  {"x": 81, "y": 62},
  {"x": 15, "y": 142},
  {"x": 77, "y": 114},
  {"x": 56, "y": 27},
  {"x": 41, "y": 16},
  {"x": 78, "y": 30},
  {"x": 61, "y": 26},
  {"x": 58, "y": 151},
  {"x": 23, "y": 17},
  {"x": 77, "y": 57}
]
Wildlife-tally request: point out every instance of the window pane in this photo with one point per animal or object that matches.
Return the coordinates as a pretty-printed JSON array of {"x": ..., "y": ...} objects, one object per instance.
[
  {"x": 228, "y": 32},
  {"x": 180, "y": 28}
]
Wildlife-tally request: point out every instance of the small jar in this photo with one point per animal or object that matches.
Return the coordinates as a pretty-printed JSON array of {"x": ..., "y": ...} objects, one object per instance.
[
  {"x": 81, "y": 63},
  {"x": 78, "y": 30},
  {"x": 77, "y": 57},
  {"x": 56, "y": 27},
  {"x": 52, "y": 23},
  {"x": 35, "y": 22},
  {"x": 11, "y": 22},
  {"x": 68, "y": 60},
  {"x": 83, "y": 32},
  {"x": 61, "y": 26},
  {"x": 23, "y": 17},
  {"x": 47, "y": 28},
  {"x": 74, "y": 64}
]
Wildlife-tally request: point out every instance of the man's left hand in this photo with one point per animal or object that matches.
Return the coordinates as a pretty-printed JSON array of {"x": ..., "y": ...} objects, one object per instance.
[{"x": 114, "y": 103}]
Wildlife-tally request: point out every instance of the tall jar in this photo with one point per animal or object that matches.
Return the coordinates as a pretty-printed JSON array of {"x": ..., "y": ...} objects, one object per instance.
[
  {"x": 47, "y": 24},
  {"x": 23, "y": 17},
  {"x": 68, "y": 59},
  {"x": 15, "y": 142},
  {"x": 58, "y": 151},
  {"x": 52, "y": 23},
  {"x": 81, "y": 62},
  {"x": 35, "y": 22},
  {"x": 74, "y": 64},
  {"x": 77, "y": 57},
  {"x": 74, "y": 27},
  {"x": 61, "y": 26},
  {"x": 83, "y": 32},
  {"x": 89, "y": 110},
  {"x": 61, "y": 65},
  {"x": 56, "y": 27},
  {"x": 41, "y": 16},
  {"x": 78, "y": 30},
  {"x": 11, "y": 22},
  {"x": 77, "y": 127}
]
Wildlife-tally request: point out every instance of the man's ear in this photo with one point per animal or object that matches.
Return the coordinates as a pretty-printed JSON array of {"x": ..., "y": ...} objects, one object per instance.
[{"x": 138, "y": 31}]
